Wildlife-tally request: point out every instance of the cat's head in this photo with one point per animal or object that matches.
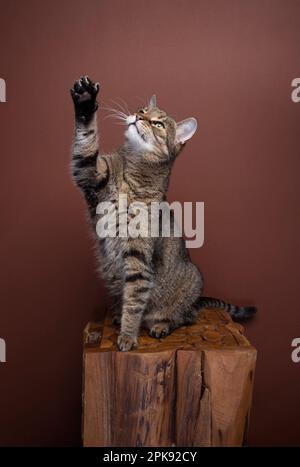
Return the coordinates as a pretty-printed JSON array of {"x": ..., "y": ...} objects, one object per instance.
[{"x": 151, "y": 131}]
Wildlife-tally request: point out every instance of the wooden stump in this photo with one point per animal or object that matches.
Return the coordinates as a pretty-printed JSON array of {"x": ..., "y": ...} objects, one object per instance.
[{"x": 192, "y": 388}]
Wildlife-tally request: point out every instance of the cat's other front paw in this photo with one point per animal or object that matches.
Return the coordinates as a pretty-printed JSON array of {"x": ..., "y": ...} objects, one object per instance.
[
  {"x": 126, "y": 343},
  {"x": 84, "y": 95}
]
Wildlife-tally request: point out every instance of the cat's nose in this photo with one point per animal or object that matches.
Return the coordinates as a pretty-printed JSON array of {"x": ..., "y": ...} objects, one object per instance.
[{"x": 139, "y": 117}]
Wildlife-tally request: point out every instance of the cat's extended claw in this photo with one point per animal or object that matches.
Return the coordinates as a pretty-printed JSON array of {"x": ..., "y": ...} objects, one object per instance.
[{"x": 126, "y": 343}]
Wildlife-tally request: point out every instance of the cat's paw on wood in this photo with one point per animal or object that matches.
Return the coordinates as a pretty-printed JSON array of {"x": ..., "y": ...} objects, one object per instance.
[
  {"x": 84, "y": 95},
  {"x": 126, "y": 343},
  {"x": 159, "y": 330}
]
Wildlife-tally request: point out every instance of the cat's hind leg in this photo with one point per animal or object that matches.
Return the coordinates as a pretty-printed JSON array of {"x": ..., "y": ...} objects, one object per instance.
[
  {"x": 168, "y": 321},
  {"x": 116, "y": 319},
  {"x": 179, "y": 308},
  {"x": 160, "y": 329},
  {"x": 116, "y": 311}
]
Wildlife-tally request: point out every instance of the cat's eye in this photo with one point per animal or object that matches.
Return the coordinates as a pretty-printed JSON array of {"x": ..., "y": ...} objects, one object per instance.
[{"x": 158, "y": 124}]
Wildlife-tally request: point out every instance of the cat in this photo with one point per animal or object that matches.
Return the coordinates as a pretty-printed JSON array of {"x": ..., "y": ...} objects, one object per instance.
[{"x": 152, "y": 281}]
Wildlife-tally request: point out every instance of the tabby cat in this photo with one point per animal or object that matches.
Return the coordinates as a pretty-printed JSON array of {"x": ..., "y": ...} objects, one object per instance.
[{"x": 152, "y": 281}]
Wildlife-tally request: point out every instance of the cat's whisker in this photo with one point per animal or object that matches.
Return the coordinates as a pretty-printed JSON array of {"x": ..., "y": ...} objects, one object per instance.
[
  {"x": 116, "y": 117},
  {"x": 121, "y": 119},
  {"x": 121, "y": 107},
  {"x": 116, "y": 112},
  {"x": 125, "y": 105},
  {"x": 113, "y": 109}
]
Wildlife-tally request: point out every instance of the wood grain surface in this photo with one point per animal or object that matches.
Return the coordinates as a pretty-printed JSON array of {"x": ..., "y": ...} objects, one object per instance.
[{"x": 191, "y": 388}]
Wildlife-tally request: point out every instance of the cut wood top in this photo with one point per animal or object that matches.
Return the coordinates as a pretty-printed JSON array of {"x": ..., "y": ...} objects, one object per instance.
[{"x": 213, "y": 329}]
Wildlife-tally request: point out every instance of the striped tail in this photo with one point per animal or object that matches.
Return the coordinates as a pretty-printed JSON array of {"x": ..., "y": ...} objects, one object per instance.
[{"x": 236, "y": 312}]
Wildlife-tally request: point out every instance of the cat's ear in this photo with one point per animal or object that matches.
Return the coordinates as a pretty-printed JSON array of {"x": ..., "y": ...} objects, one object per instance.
[
  {"x": 185, "y": 129},
  {"x": 152, "y": 102}
]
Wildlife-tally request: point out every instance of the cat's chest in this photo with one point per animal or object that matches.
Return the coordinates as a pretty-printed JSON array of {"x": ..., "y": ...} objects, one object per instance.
[{"x": 113, "y": 216}]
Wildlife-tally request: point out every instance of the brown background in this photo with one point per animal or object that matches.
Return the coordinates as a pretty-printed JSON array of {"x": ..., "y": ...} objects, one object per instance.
[{"x": 228, "y": 63}]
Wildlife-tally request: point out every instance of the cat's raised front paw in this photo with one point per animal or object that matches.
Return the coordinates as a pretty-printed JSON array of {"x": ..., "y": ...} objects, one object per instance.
[
  {"x": 126, "y": 343},
  {"x": 84, "y": 94}
]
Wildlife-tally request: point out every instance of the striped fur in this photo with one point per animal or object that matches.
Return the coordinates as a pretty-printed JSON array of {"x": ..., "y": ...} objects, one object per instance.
[
  {"x": 152, "y": 281},
  {"x": 237, "y": 312}
]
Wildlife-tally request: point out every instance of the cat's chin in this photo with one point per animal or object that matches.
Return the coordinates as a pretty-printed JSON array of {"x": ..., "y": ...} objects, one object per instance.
[{"x": 135, "y": 140}]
